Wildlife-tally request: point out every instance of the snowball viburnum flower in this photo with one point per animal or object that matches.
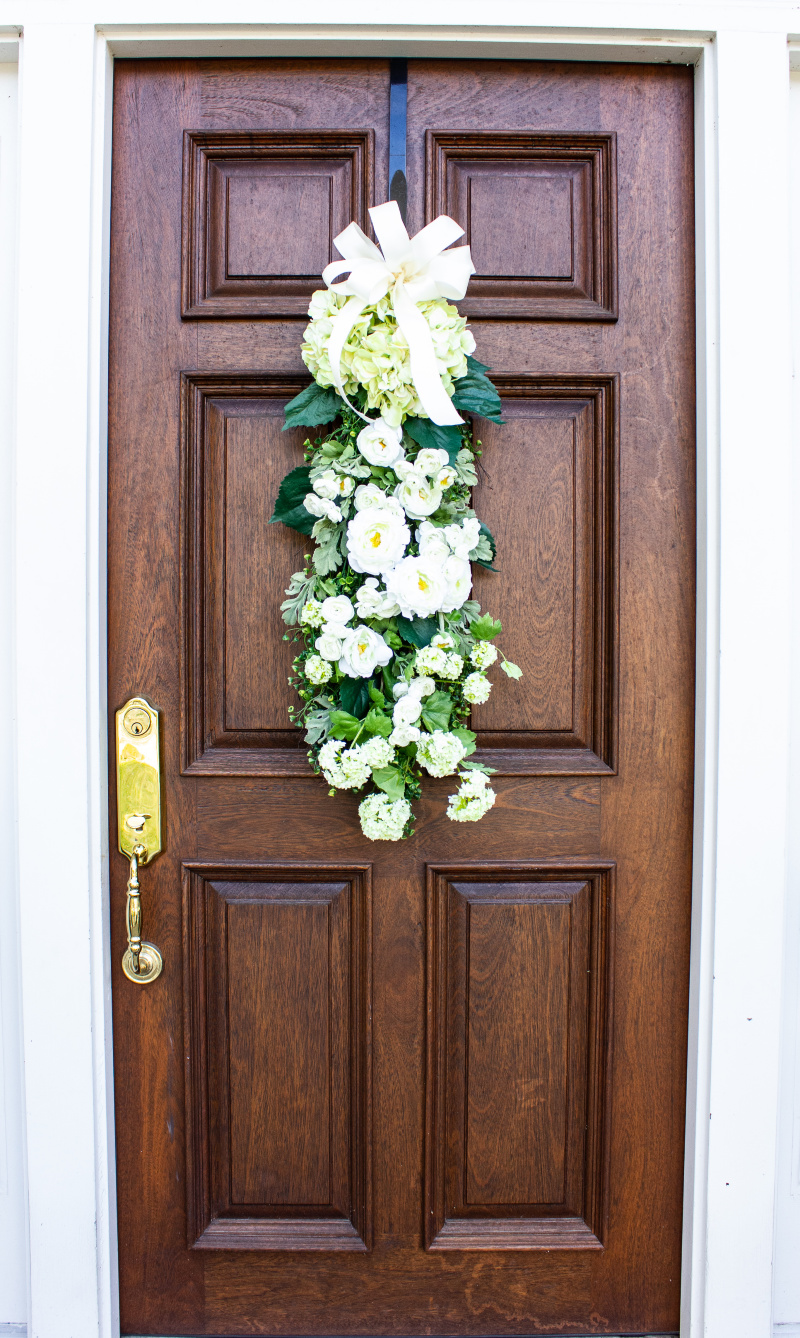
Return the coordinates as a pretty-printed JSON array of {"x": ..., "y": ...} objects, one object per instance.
[
  {"x": 476, "y": 689},
  {"x": 431, "y": 659},
  {"x": 376, "y": 540},
  {"x": 382, "y": 818},
  {"x": 344, "y": 770},
  {"x": 473, "y": 798},
  {"x": 377, "y": 752},
  {"x": 483, "y": 654},
  {"x": 311, "y": 613},
  {"x": 440, "y": 752},
  {"x": 452, "y": 668},
  {"x": 362, "y": 651},
  {"x": 419, "y": 586},
  {"x": 318, "y": 671}
]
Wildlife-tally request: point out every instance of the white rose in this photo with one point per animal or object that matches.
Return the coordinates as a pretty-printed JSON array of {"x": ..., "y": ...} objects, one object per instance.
[
  {"x": 322, "y": 506},
  {"x": 458, "y": 574},
  {"x": 463, "y": 538},
  {"x": 402, "y": 735},
  {"x": 337, "y": 609},
  {"x": 328, "y": 646},
  {"x": 362, "y": 651},
  {"x": 407, "y": 711},
  {"x": 376, "y": 540},
  {"x": 403, "y": 468},
  {"x": 445, "y": 478},
  {"x": 379, "y": 443},
  {"x": 326, "y": 485},
  {"x": 369, "y": 494},
  {"x": 417, "y": 495},
  {"x": 374, "y": 603},
  {"x": 432, "y": 541},
  {"x": 429, "y": 462},
  {"x": 422, "y": 687},
  {"x": 419, "y": 586}
]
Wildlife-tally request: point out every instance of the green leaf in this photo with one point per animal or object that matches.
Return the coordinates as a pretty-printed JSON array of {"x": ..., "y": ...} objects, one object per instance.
[
  {"x": 485, "y": 628},
  {"x": 485, "y": 550},
  {"x": 378, "y": 723},
  {"x": 354, "y": 696},
  {"x": 418, "y": 631},
  {"x": 300, "y": 589},
  {"x": 431, "y": 435},
  {"x": 467, "y": 738},
  {"x": 376, "y": 695},
  {"x": 513, "y": 670},
  {"x": 436, "y": 711},
  {"x": 474, "y": 393},
  {"x": 312, "y": 407},
  {"x": 390, "y": 780},
  {"x": 327, "y": 556},
  {"x": 479, "y": 766},
  {"x": 289, "y": 509},
  {"x": 343, "y": 725},
  {"x": 475, "y": 366}
]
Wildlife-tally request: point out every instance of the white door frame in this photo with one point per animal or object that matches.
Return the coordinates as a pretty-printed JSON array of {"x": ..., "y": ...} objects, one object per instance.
[{"x": 743, "y": 322}]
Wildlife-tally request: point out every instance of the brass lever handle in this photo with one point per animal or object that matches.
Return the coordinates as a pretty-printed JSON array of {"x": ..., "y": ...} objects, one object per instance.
[
  {"x": 139, "y": 831},
  {"x": 142, "y": 961}
]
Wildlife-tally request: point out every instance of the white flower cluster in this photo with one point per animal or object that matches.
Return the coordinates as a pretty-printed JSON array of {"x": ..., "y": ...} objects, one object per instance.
[
  {"x": 376, "y": 355},
  {"x": 350, "y": 768},
  {"x": 382, "y": 818},
  {"x": 357, "y": 650},
  {"x": 473, "y": 798}
]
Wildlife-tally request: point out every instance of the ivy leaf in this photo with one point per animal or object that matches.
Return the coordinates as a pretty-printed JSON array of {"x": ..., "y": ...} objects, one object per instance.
[
  {"x": 376, "y": 695},
  {"x": 431, "y": 436},
  {"x": 378, "y": 723},
  {"x": 436, "y": 711},
  {"x": 513, "y": 670},
  {"x": 344, "y": 725},
  {"x": 390, "y": 780},
  {"x": 418, "y": 631},
  {"x": 354, "y": 696},
  {"x": 474, "y": 393},
  {"x": 312, "y": 407},
  {"x": 485, "y": 628},
  {"x": 289, "y": 509},
  {"x": 467, "y": 737}
]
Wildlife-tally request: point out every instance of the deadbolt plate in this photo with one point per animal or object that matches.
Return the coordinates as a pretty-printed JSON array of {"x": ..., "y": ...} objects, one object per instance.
[{"x": 138, "y": 779}]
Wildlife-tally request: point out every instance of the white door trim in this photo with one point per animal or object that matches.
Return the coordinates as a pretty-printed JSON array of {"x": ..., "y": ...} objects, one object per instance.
[{"x": 743, "y": 610}]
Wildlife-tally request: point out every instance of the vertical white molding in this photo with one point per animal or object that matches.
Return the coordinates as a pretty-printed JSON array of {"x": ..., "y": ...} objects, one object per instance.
[
  {"x": 755, "y": 520},
  {"x": 54, "y": 679}
]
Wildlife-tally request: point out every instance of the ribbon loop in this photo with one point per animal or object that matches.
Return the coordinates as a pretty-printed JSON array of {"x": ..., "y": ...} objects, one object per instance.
[{"x": 417, "y": 269}]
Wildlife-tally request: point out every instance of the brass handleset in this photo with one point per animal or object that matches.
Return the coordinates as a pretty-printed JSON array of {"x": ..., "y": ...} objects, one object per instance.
[{"x": 138, "y": 824}]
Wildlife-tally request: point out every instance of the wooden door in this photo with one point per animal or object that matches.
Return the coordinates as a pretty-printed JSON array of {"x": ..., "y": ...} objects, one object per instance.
[{"x": 434, "y": 1087}]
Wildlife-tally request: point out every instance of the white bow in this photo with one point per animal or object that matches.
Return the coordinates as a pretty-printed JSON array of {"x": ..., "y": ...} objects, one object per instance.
[{"x": 416, "y": 270}]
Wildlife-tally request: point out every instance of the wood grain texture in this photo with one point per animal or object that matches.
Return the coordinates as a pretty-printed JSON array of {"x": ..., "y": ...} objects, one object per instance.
[{"x": 290, "y": 1268}]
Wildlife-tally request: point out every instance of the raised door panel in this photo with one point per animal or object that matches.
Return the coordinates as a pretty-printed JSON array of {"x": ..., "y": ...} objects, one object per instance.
[
  {"x": 277, "y": 1012},
  {"x": 519, "y": 988}
]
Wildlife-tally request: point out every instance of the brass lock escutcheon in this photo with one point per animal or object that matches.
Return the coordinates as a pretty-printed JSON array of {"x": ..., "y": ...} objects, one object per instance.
[{"x": 138, "y": 824}]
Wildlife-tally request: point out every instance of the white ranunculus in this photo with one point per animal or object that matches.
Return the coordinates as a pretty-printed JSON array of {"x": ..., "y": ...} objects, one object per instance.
[
  {"x": 328, "y": 646},
  {"x": 376, "y": 540},
  {"x": 322, "y": 506},
  {"x": 369, "y": 494},
  {"x": 327, "y": 485},
  {"x": 403, "y": 468},
  {"x": 362, "y": 651},
  {"x": 446, "y": 477},
  {"x": 400, "y": 689},
  {"x": 443, "y": 640},
  {"x": 337, "y": 609},
  {"x": 432, "y": 541},
  {"x": 419, "y": 586},
  {"x": 417, "y": 495},
  {"x": 458, "y": 574},
  {"x": 464, "y": 537},
  {"x": 422, "y": 687},
  {"x": 404, "y": 734},
  {"x": 379, "y": 443},
  {"x": 374, "y": 603},
  {"x": 407, "y": 711},
  {"x": 430, "y": 461}
]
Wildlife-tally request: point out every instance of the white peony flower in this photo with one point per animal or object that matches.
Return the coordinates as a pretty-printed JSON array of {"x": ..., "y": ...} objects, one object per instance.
[
  {"x": 483, "y": 654},
  {"x": 379, "y": 443},
  {"x": 452, "y": 668},
  {"x": 446, "y": 477},
  {"x": 376, "y": 540},
  {"x": 369, "y": 494},
  {"x": 407, "y": 711},
  {"x": 418, "y": 584},
  {"x": 476, "y": 688},
  {"x": 430, "y": 660},
  {"x": 377, "y": 752},
  {"x": 311, "y": 613},
  {"x": 362, "y": 651},
  {"x": 318, "y": 671},
  {"x": 322, "y": 506},
  {"x": 344, "y": 770},
  {"x": 404, "y": 734},
  {"x": 443, "y": 640},
  {"x": 337, "y": 609},
  {"x": 473, "y": 798},
  {"x": 432, "y": 541},
  {"x": 421, "y": 687},
  {"x": 418, "y": 496},
  {"x": 374, "y": 603},
  {"x": 458, "y": 574},
  {"x": 430, "y": 461},
  {"x": 440, "y": 752},
  {"x": 382, "y": 818},
  {"x": 328, "y": 646},
  {"x": 330, "y": 485}
]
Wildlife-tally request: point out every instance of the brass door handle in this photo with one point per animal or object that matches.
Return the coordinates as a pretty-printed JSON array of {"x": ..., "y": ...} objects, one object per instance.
[{"x": 138, "y": 824}]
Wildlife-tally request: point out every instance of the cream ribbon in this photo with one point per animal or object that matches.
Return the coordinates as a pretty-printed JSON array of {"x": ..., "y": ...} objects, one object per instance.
[{"x": 414, "y": 269}]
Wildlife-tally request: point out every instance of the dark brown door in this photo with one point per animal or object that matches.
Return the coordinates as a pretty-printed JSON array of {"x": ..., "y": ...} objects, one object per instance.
[{"x": 433, "y": 1088}]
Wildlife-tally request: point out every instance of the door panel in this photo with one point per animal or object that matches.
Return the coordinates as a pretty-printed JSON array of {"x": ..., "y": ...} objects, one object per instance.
[{"x": 433, "y": 1088}]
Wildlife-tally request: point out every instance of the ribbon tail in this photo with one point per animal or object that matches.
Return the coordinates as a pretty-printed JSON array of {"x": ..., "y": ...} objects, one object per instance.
[
  {"x": 425, "y": 373},
  {"x": 343, "y": 323}
]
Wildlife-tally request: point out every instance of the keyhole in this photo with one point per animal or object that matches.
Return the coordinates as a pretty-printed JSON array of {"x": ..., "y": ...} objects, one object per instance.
[{"x": 137, "y": 721}]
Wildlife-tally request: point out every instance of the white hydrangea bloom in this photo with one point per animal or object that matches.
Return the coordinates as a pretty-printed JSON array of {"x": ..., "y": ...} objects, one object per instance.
[
  {"x": 402, "y": 735},
  {"x": 483, "y": 654},
  {"x": 382, "y": 818},
  {"x": 440, "y": 752},
  {"x": 376, "y": 540},
  {"x": 473, "y": 798},
  {"x": 318, "y": 671},
  {"x": 477, "y": 688},
  {"x": 343, "y": 770},
  {"x": 311, "y": 613},
  {"x": 452, "y": 669},
  {"x": 377, "y": 752},
  {"x": 431, "y": 659}
]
